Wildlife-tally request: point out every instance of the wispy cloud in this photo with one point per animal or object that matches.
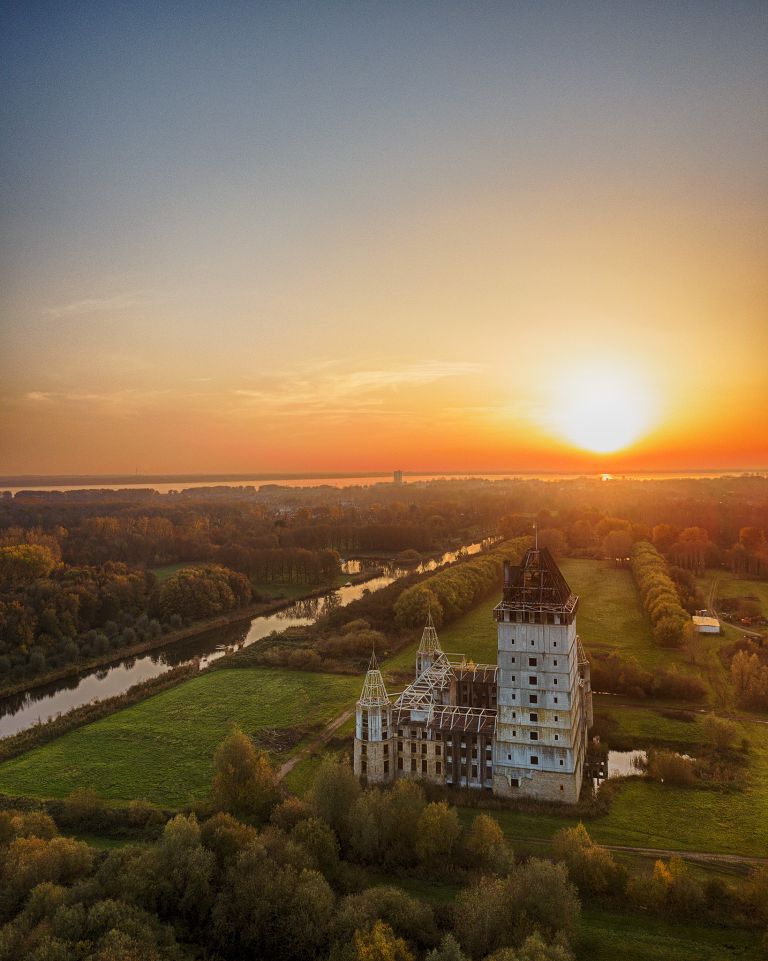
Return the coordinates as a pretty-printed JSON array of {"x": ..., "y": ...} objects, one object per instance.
[
  {"x": 99, "y": 305},
  {"x": 325, "y": 389}
]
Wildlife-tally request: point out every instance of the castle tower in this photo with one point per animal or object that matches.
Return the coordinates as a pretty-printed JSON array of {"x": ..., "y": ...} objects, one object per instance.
[
  {"x": 373, "y": 729},
  {"x": 544, "y": 697},
  {"x": 428, "y": 647}
]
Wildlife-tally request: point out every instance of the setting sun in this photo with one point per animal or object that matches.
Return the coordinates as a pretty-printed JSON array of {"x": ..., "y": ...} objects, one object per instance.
[{"x": 601, "y": 410}]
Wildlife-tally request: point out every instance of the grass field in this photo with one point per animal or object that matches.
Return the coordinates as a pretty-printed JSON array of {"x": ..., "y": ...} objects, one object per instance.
[
  {"x": 607, "y": 935},
  {"x": 161, "y": 749},
  {"x": 610, "y": 618},
  {"x": 648, "y": 814},
  {"x": 640, "y": 726}
]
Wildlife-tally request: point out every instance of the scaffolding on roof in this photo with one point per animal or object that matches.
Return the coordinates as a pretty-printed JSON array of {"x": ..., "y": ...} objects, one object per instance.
[
  {"x": 374, "y": 692},
  {"x": 475, "y": 720},
  {"x": 429, "y": 642}
]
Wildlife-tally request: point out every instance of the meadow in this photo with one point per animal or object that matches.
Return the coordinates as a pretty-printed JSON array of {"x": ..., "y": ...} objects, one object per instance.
[
  {"x": 610, "y": 618},
  {"x": 161, "y": 749}
]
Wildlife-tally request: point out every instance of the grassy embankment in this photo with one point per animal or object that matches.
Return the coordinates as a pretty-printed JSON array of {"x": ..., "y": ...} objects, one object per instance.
[{"x": 161, "y": 749}]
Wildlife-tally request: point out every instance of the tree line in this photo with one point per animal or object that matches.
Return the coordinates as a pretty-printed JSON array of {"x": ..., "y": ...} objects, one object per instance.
[
  {"x": 53, "y": 615},
  {"x": 659, "y": 595},
  {"x": 265, "y": 876}
]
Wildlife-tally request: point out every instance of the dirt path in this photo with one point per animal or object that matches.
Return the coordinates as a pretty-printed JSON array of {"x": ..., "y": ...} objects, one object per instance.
[{"x": 325, "y": 735}]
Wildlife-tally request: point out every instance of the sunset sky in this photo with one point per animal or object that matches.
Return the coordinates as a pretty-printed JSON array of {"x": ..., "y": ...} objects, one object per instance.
[{"x": 274, "y": 236}]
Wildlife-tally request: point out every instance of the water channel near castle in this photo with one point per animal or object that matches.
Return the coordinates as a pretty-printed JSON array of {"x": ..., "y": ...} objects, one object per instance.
[{"x": 43, "y": 703}]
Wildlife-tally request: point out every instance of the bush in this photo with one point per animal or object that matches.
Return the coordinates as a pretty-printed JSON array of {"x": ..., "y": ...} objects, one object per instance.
[{"x": 671, "y": 768}]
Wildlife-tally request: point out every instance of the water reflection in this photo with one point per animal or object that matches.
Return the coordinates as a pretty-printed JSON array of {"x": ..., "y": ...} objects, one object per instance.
[
  {"x": 619, "y": 764},
  {"x": 48, "y": 701}
]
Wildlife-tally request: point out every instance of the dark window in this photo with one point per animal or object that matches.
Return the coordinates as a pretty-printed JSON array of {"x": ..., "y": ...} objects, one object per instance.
[
  {"x": 557, "y": 737},
  {"x": 555, "y": 699},
  {"x": 533, "y": 698},
  {"x": 363, "y": 749},
  {"x": 514, "y": 679},
  {"x": 438, "y": 768},
  {"x": 437, "y": 750},
  {"x": 561, "y": 764},
  {"x": 413, "y": 763},
  {"x": 555, "y": 662},
  {"x": 513, "y": 660},
  {"x": 386, "y": 767},
  {"x": 423, "y": 748},
  {"x": 509, "y": 757},
  {"x": 423, "y": 767},
  {"x": 399, "y": 732},
  {"x": 399, "y": 764},
  {"x": 562, "y": 788},
  {"x": 531, "y": 662},
  {"x": 364, "y": 767},
  {"x": 534, "y": 759},
  {"x": 474, "y": 770},
  {"x": 413, "y": 748},
  {"x": 399, "y": 747},
  {"x": 533, "y": 680},
  {"x": 514, "y": 782},
  {"x": 386, "y": 750},
  {"x": 534, "y": 735},
  {"x": 534, "y": 717}
]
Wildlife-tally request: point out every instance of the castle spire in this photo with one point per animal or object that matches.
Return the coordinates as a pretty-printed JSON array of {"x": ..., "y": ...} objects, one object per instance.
[
  {"x": 374, "y": 692},
  {"x": 429, "y": 642}
]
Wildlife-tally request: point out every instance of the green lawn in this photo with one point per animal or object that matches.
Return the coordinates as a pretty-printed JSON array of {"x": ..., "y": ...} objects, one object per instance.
[
  {"x": 636, "y": 727},
  {"x": 610, "y": 617},
  {"x": 734, "y": 585},
  {"x": 161, "y": 748},
  {"x": 605, "y": 935},
  {"x": 647, "y": 814}
]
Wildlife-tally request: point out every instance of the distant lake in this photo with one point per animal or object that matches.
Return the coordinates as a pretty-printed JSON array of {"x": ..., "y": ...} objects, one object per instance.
[{"x": 166, "y": 484}]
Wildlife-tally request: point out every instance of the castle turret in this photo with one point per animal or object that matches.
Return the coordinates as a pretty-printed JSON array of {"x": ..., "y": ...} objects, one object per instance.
[
  {"x": 428, "y": 647},
  {"x": 544, "y": 697},
  {"x": 373, "y": 728}
]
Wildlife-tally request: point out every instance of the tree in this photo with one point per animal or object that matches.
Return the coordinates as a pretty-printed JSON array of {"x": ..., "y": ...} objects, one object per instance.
[
  {"x": 24, "y": 563},
  {"x": 414, "y": 604},
  {"x": 534, "y": 948},
  {"x": 438, "y": 833},
  {"x": 333, "y": 794},
  {"x": 183, "y": 872},
  {"x": 243, "y": 780},
  {"x": 485, "y": 847},
  {"x": 320, "y": 842},
  {"x": 449, "y": 950},
  {"x": 591, "y": 867},
  {"x": 720, "y": 733},
  {"x": 380, "y": 944},
  {"x": 617, "y": 544}
]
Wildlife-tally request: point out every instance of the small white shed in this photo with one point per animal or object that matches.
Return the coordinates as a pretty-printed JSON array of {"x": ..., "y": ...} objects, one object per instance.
[{"x": 706, "y": 625}]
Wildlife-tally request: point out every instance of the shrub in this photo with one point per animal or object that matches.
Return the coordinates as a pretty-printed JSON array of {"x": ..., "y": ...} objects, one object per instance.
[{"x": 671, "y": 768}]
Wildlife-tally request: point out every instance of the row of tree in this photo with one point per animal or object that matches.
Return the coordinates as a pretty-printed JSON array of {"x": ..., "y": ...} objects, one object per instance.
[
  {"x": 456, "y": 589},
  {"x": 659, "y": 595}
]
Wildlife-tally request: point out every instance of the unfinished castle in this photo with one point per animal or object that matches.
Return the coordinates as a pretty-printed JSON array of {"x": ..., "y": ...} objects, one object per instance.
[{"x": 517, "y": 727}]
